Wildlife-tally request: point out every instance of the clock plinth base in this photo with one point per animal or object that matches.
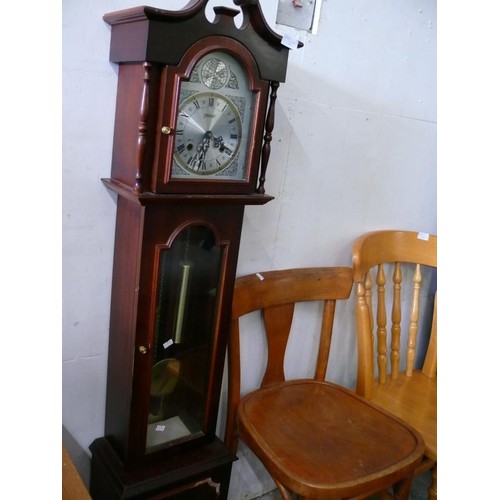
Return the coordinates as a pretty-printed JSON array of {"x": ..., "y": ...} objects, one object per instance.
[{"x": 200, "y": 474}]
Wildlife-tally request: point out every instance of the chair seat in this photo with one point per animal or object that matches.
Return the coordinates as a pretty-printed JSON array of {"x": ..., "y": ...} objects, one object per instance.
[
  {"x": 413, "y": 399},
  {"x": 332, "y": 441}
]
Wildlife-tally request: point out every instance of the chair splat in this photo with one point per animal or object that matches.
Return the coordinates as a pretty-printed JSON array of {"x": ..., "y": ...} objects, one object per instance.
[{"x": 278, "y": 322}]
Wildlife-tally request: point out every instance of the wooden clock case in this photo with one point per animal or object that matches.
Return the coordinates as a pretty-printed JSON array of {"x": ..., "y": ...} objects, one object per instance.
[{"x": 155, "y": 50}]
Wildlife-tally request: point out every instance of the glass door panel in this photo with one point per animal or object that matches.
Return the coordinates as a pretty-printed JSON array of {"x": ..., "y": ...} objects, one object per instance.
[{"x": 187, "y": 284}]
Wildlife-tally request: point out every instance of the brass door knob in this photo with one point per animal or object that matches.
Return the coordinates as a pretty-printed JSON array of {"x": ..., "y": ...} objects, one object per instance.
[
  {"x": 143, "y": 349},
  {"x": 166, "y": 130}
]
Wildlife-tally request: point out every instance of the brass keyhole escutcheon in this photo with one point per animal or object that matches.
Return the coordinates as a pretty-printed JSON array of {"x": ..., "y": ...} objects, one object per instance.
[
  {"x": 166, "y": 130},
  {"x": 143, "y": 349}
]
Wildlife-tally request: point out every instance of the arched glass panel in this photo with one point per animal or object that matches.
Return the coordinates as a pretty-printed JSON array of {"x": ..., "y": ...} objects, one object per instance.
[{"x": 186, "y": 306}]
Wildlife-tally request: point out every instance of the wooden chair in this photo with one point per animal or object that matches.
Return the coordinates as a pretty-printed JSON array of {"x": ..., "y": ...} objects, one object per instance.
[
  {"x": 315, "y": 438},
  {"x": 408, "y": 393}
]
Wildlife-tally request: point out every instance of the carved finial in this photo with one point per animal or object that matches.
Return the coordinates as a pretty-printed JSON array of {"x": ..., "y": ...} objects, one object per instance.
[{"x": 252, "y": 13}]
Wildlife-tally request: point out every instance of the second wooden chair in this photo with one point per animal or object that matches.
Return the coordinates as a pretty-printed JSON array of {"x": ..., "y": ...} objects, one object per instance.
[
  {"x": 315, "y": 438},
  {"x": 392, "y": 269}
]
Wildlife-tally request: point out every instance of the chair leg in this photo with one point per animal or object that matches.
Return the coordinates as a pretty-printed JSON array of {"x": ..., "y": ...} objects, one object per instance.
[
  {"x": 285, "y": 494},
  {"x": 402, "y": 488},
  {"x": 385, "y": 495},
  {"x": 433, "y": 489}
]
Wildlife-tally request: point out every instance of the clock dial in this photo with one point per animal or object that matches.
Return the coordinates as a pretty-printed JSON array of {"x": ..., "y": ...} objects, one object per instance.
[
  {"x": 214, "y": 123},
  {"x": 208, "y": 133}
]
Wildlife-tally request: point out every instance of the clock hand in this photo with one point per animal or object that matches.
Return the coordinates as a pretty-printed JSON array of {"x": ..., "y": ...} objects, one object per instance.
[
  {"x": 195, "y": 123},
  {"x": 218, "y": 142},
  {"x": 204, "y": 144}
]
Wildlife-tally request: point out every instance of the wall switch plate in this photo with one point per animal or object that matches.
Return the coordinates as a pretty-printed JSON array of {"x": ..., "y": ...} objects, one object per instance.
[{"x": 299, "y": 14}]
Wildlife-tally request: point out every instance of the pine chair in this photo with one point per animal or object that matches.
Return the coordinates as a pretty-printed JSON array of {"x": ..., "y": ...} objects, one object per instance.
[
  {"x": 317, "y": 439},
  {"x": 400, "y": 386}
]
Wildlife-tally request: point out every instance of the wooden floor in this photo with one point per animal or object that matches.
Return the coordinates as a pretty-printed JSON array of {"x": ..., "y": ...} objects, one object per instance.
[{"x": 72, "y": 484}]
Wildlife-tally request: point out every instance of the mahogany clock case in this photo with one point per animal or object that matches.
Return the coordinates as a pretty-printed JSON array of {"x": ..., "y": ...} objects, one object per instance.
[{"x": 192, "y": 139}]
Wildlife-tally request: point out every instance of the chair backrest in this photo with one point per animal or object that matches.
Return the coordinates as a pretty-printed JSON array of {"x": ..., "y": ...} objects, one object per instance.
[
  {"x": 275, "y": 293},
  {"x": 381, "y": 251}
]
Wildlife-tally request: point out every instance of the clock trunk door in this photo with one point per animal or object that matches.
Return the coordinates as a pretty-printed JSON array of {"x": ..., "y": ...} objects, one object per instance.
[{"x": 186, "y": 309}]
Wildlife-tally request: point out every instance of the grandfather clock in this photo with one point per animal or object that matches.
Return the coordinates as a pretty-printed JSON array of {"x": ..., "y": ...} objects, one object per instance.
[{"x": 193, "y": 128}]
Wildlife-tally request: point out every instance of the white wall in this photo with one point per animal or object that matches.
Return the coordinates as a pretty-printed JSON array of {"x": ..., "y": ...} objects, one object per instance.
[{"x": 354, "y": 149}]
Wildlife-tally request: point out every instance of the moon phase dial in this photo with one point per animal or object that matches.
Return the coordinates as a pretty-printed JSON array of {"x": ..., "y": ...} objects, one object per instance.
[{"x": 214, "y": 73}]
